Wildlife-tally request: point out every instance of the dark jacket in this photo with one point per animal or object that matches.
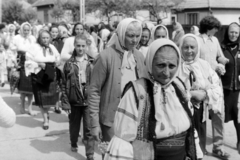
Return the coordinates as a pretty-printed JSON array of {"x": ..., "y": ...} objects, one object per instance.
[
  {"x": 230, "y": 79},
  {"x": 74, "y": 93},
  {"x": 58, "y": 43}
]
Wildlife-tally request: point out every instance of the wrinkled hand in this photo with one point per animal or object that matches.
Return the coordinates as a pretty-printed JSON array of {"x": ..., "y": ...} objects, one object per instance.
[
  {"x": 96, "y": 133},
  {"x": 198, "y": 95},
  {"x": 42, "y": 65},
  {"x": 220, "y": 69},
  {"x": 223, "y": 60}
]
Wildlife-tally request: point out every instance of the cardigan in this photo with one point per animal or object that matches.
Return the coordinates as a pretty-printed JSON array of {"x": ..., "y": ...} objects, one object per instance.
[{"x": 105, "y": 86}]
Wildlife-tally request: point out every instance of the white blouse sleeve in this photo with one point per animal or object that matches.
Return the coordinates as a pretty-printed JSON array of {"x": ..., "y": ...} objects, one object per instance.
[
  {"x": 7, "y": 115},
  {"x": 92, "y": 49},
  {"x": 125, "y": 128},
  {"x": 67, "y": 49},
  {"x": 214, "y": 91},
  {"x": 56, "y": 54}
]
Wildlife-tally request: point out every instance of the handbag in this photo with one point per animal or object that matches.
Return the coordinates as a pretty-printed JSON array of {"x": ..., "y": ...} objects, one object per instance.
[
  {"x": 14, "y": 80},
  {"x": 143, "y": 150}
]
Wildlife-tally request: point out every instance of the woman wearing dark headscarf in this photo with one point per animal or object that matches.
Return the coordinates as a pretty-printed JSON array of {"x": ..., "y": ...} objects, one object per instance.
[
  {"x": 56, "y": 40},
  {"x": 231, "y": 79},
  {"x": 41, "y": 62}
]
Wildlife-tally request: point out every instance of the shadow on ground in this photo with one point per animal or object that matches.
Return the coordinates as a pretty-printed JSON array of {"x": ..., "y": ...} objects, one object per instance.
[
  {"x": 59, "y": 144},
  {"x": 28, "y": 122}
]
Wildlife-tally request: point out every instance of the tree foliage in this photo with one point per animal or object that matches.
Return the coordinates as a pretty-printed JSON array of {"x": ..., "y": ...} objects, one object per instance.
[
  {"x": 12, "y": 11},
  {"x": 30, "y": 14},
  {"x": 156, "y": 6},
  {"x": 58, "y": 10},
  {"x": 74, "y": 6},
  {"x": 31, "y": 1},
  {"x": 129, "y": 7},
  {"x": 109, "y": 8}
]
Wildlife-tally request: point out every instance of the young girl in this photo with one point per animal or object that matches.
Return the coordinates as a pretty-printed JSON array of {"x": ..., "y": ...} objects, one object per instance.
[{"x": 77, "y": 72}]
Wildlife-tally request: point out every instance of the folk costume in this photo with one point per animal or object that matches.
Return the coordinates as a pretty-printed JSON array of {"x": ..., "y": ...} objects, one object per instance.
[
  {"x": 22, "y": 45},
  {"x": 152, "y": 117}
]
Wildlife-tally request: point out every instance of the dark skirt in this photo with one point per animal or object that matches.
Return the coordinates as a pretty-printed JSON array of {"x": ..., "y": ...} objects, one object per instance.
[
  {"x": 231, "y": 104},
  {"x": 25, "y": 84},
  {"x": 45, "y": 97},
  {"x": 172, "y": 148}
]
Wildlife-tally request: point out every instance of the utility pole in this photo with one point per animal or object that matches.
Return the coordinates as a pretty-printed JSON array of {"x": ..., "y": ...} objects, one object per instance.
[
  {"x": 82, "y": 11},
  {"x": 0, "y": 11}
]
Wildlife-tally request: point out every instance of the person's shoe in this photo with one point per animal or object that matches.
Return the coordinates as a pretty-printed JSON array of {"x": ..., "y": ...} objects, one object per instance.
[
  {"x": 2, "y": 84},
  {"x": 74, "y": 149},
  {"x": 45, "y": 127},
  {"x": 57, "y": 110},
  {"x": 238, "y": 147},
  {"x": 206, "y": 153},
  {"x": 90, "y": 157},
  {"x": 220, "y": 154}
]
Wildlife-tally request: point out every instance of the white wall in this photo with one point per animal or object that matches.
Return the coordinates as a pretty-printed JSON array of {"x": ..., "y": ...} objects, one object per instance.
[
  {"x": 144, "y": 14},
  {"x": 227, "y": 16}
]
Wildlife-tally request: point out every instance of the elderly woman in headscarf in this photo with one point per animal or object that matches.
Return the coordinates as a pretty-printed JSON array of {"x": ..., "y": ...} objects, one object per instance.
[
  {"x": 155, "y": 112},
  {"x": 22, "y": 44},
  {"x": 178, "y": 32},
  {"x": 231, "y": 79},
  {"x": 118, "y": 64},
  {"x": 202, "y": 82},
  {"x": 144, "y": 42},
  {"x": 195, "y": 30}
]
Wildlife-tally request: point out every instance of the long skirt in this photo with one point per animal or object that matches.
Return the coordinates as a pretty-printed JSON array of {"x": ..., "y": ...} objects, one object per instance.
[
  {"x": 45, "y": 97},
  {"x": 231, "y": 104}
]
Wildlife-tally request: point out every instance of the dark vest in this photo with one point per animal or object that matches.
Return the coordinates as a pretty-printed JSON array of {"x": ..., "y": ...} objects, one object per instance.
[{"x": 143, "y": 91}]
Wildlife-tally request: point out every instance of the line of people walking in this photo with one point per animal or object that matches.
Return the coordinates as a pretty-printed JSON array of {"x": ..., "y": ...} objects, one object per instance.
[{"x": 141, "y": 94}]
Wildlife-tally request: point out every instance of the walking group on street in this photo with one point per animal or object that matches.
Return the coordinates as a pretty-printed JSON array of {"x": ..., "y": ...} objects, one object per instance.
[{"x": 142, "y": 93}]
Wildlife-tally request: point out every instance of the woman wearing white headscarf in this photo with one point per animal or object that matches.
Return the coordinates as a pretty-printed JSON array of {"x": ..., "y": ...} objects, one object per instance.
[
  {"x": 203, "y": 83},
  {"x": 159, "y": 31},
  {"x": 118, "y": 64},
  {"x": 22, "y": 44},
  {"x": 155, "y": 112}
]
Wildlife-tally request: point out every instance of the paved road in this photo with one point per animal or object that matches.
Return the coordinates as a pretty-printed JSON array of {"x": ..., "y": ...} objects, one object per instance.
[{"x": 28, "y": 141}]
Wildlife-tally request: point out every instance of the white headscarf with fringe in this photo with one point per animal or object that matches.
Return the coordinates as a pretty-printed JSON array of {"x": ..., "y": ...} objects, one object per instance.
[{"x": 167, "y": 104}]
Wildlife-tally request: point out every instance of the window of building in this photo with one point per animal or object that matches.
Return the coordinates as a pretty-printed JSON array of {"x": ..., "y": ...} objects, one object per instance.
[{"x": 192, "y": 18}]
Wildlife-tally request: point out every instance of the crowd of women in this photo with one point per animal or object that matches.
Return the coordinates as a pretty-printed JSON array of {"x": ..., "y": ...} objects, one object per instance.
[{"x": 146, "y": 95}]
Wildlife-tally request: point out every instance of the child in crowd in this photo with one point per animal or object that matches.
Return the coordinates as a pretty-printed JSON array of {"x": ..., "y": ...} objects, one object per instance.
[{"x": 77, "y": 72}]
